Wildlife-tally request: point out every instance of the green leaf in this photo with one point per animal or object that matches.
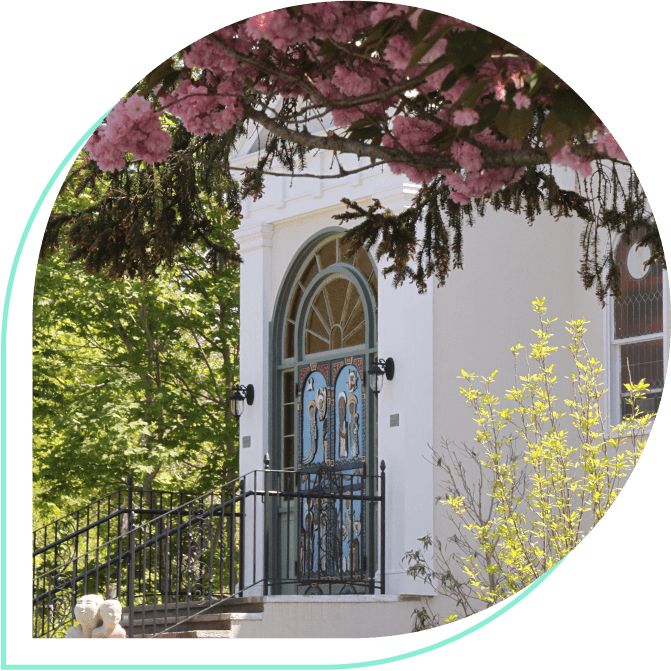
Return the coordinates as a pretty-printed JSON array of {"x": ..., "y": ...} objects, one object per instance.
[
  {"x": 427, "y": 19},
  {"x": 572, "y": 110},
  {"x": 561, "y": 133},
  {"x": 513, "y": 123},
  {"x": 328, "y": 50},
  {"x": 156, "y": 76},
  {"x": 369, "y": 133},
  {"x": 468, "y": 47},
  {"x": 426, "y": 45},
  {"x": 487, "y": 115},
  {"x": 168, "y": 81},
  {"x": 378, "y": 33},
  {"x": 451, "y": 78},
  {"x": 538, "y": 76},
  {"x": 471, "y": 95}
]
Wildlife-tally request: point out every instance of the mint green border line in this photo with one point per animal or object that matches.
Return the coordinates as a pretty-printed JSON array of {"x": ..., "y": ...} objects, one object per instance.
[{"x": 3, "y": 464}]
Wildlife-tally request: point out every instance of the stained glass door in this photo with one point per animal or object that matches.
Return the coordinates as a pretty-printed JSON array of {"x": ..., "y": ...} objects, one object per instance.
[{"x": 332, "y": 465}]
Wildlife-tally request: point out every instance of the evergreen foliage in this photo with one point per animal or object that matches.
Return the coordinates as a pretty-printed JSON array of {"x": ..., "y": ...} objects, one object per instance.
[{"x": 132, "y": 375}]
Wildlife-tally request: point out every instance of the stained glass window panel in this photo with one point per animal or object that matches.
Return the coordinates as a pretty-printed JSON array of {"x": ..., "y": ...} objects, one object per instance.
[
  {"x": 289, "y": 341},
  {"x": 640, "y": 309},
  {"x": 289, "y": 419},
  {"x": 288, "y": 386},
  {"x": 319, "y": 304},
  {"x": 336, "y": 293},
  {"x": 345, "y": 252},
  {"x": 310, "y": 271},
  {"x": 355, "y": 332},
  {"x": 313, "y": 344},
  {"x": 327, "y": 254},
  {"x": 363, "y": 263},
  {"x": 351, "y": 300},
  {"x": 295, "y": 302},
  {"x": 642, "y": 361},
  {"x": 336, "y": 337}
]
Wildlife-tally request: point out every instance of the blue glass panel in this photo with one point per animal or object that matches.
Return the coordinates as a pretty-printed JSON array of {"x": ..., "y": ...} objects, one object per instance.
[
  {"x": 314, "y": 408},
  {"x": 349, "y": 414}
]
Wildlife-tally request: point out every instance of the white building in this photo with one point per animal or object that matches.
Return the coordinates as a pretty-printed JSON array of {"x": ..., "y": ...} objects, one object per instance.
[{"x": 313, "y": 321}]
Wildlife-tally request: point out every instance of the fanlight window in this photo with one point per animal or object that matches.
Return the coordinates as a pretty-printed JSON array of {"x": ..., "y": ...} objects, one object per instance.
[
  {"x": 335, "y": 318},
  {"x": 638, "y": 326}
]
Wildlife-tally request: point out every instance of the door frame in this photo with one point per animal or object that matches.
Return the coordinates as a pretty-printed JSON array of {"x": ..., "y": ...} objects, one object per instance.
[{"x": 278, "y": 364}]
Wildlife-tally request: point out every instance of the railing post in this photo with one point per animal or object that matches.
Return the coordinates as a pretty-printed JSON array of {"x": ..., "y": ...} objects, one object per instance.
[
  {"x": 131, "y": 559},
  {"x": 383, "y": 479},
  {"x": 266, "y": 513},
  {"x": 241, "y": 535}
]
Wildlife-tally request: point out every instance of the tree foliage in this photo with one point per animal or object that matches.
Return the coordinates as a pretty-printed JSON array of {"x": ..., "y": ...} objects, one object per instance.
[
  {"x": 469, "y": 115},
  {"x": 133, "y": 221},
  {"x": 131, "y": 375},
  {"x": 539, "y": 491}
]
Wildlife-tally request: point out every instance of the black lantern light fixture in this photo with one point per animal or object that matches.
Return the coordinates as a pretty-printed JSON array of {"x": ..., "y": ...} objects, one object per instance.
[
  {"x": 381, "y": 368},
  {"x": 241, "y": 393}
]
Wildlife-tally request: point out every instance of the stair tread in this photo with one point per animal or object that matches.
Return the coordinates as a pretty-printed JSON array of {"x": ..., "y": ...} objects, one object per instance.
[
  {"x": 228, "y": 606},
  {"x": 206, "y": 633},
  {"x": 201, "y": 617}
]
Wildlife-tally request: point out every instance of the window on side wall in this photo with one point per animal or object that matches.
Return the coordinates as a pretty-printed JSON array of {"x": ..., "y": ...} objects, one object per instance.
[{"x": 637, "y": 330}]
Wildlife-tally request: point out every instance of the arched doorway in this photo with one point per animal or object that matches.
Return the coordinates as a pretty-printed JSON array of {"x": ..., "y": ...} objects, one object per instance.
[{"x": 323, "y": 424}]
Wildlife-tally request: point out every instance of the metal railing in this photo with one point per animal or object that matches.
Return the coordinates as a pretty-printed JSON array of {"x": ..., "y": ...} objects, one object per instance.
[{"x": 313, "y": 532}]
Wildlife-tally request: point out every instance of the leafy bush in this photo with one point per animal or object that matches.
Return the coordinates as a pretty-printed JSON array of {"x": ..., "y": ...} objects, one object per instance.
[{"x": 538, "y": 491}]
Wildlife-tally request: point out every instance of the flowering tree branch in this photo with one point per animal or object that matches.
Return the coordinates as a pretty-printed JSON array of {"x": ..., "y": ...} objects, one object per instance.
[{"x": 447, "y": 104}]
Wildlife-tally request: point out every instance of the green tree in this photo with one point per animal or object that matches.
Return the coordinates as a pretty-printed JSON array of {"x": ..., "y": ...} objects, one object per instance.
[
  {"x": 539, "y": 492},
  {"x": 132, "y": 376}
]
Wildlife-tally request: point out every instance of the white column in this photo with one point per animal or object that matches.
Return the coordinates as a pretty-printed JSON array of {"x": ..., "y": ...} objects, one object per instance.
[
  {"x": 255, "y": 307},
  {"x": 405, "y": 333}
]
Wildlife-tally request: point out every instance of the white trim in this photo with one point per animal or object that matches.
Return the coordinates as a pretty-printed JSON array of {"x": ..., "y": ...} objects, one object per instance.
[{"x": 641, "y": 338}]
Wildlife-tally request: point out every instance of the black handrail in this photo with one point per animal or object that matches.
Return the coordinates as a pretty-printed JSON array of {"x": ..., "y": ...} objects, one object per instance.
[{"x": 195, "y": 552}]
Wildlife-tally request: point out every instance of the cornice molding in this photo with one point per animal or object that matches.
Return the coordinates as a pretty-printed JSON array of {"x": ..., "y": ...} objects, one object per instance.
[{"x": 253, "y": 238}]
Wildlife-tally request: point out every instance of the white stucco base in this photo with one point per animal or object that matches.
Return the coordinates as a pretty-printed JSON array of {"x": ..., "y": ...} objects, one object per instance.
[{"x": 348, "y": 616}]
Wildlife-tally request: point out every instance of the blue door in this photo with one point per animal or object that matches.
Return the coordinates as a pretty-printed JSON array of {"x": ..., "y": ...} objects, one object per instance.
[{"x": 332, "y": 467}]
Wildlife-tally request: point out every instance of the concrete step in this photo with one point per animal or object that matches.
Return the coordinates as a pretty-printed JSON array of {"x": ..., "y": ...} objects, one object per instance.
[
  {"x": 190, "y": 634},
  {"x": 203, "y": 622},
  {"x": 200, "y": 621},
  {"x": 235, "y": 605}
]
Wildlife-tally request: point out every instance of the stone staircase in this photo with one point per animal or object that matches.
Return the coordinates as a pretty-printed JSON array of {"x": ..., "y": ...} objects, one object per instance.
[{"x": 217, "y": 622}]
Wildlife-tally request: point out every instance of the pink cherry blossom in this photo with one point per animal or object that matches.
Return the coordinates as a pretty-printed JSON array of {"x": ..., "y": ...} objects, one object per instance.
[
  {"x": 132, "y": 126},
  {"x": 606, "y": 142},
  {"x": 567, "y": 158},
  {"x": 467, "y": 156},
  {"x": 277, "y": 53},
  {"x": 521, "y": 100},
  {"x": 465, "y": 117}
]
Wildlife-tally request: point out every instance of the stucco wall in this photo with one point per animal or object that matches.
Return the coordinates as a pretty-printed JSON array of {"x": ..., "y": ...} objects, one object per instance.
[{"x": 469, "y": 323}]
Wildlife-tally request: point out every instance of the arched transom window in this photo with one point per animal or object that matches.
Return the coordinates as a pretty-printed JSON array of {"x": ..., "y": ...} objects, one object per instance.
[{"x": 335, "y": 316}]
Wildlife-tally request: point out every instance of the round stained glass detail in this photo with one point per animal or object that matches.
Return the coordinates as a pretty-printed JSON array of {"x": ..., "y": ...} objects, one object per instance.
[{"x": 636, "y": 259}]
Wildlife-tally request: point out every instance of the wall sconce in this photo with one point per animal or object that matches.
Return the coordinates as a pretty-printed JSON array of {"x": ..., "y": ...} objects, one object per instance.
[
  {"x": 381, "y": 368},
  {"x": 239, "y": 396}
]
